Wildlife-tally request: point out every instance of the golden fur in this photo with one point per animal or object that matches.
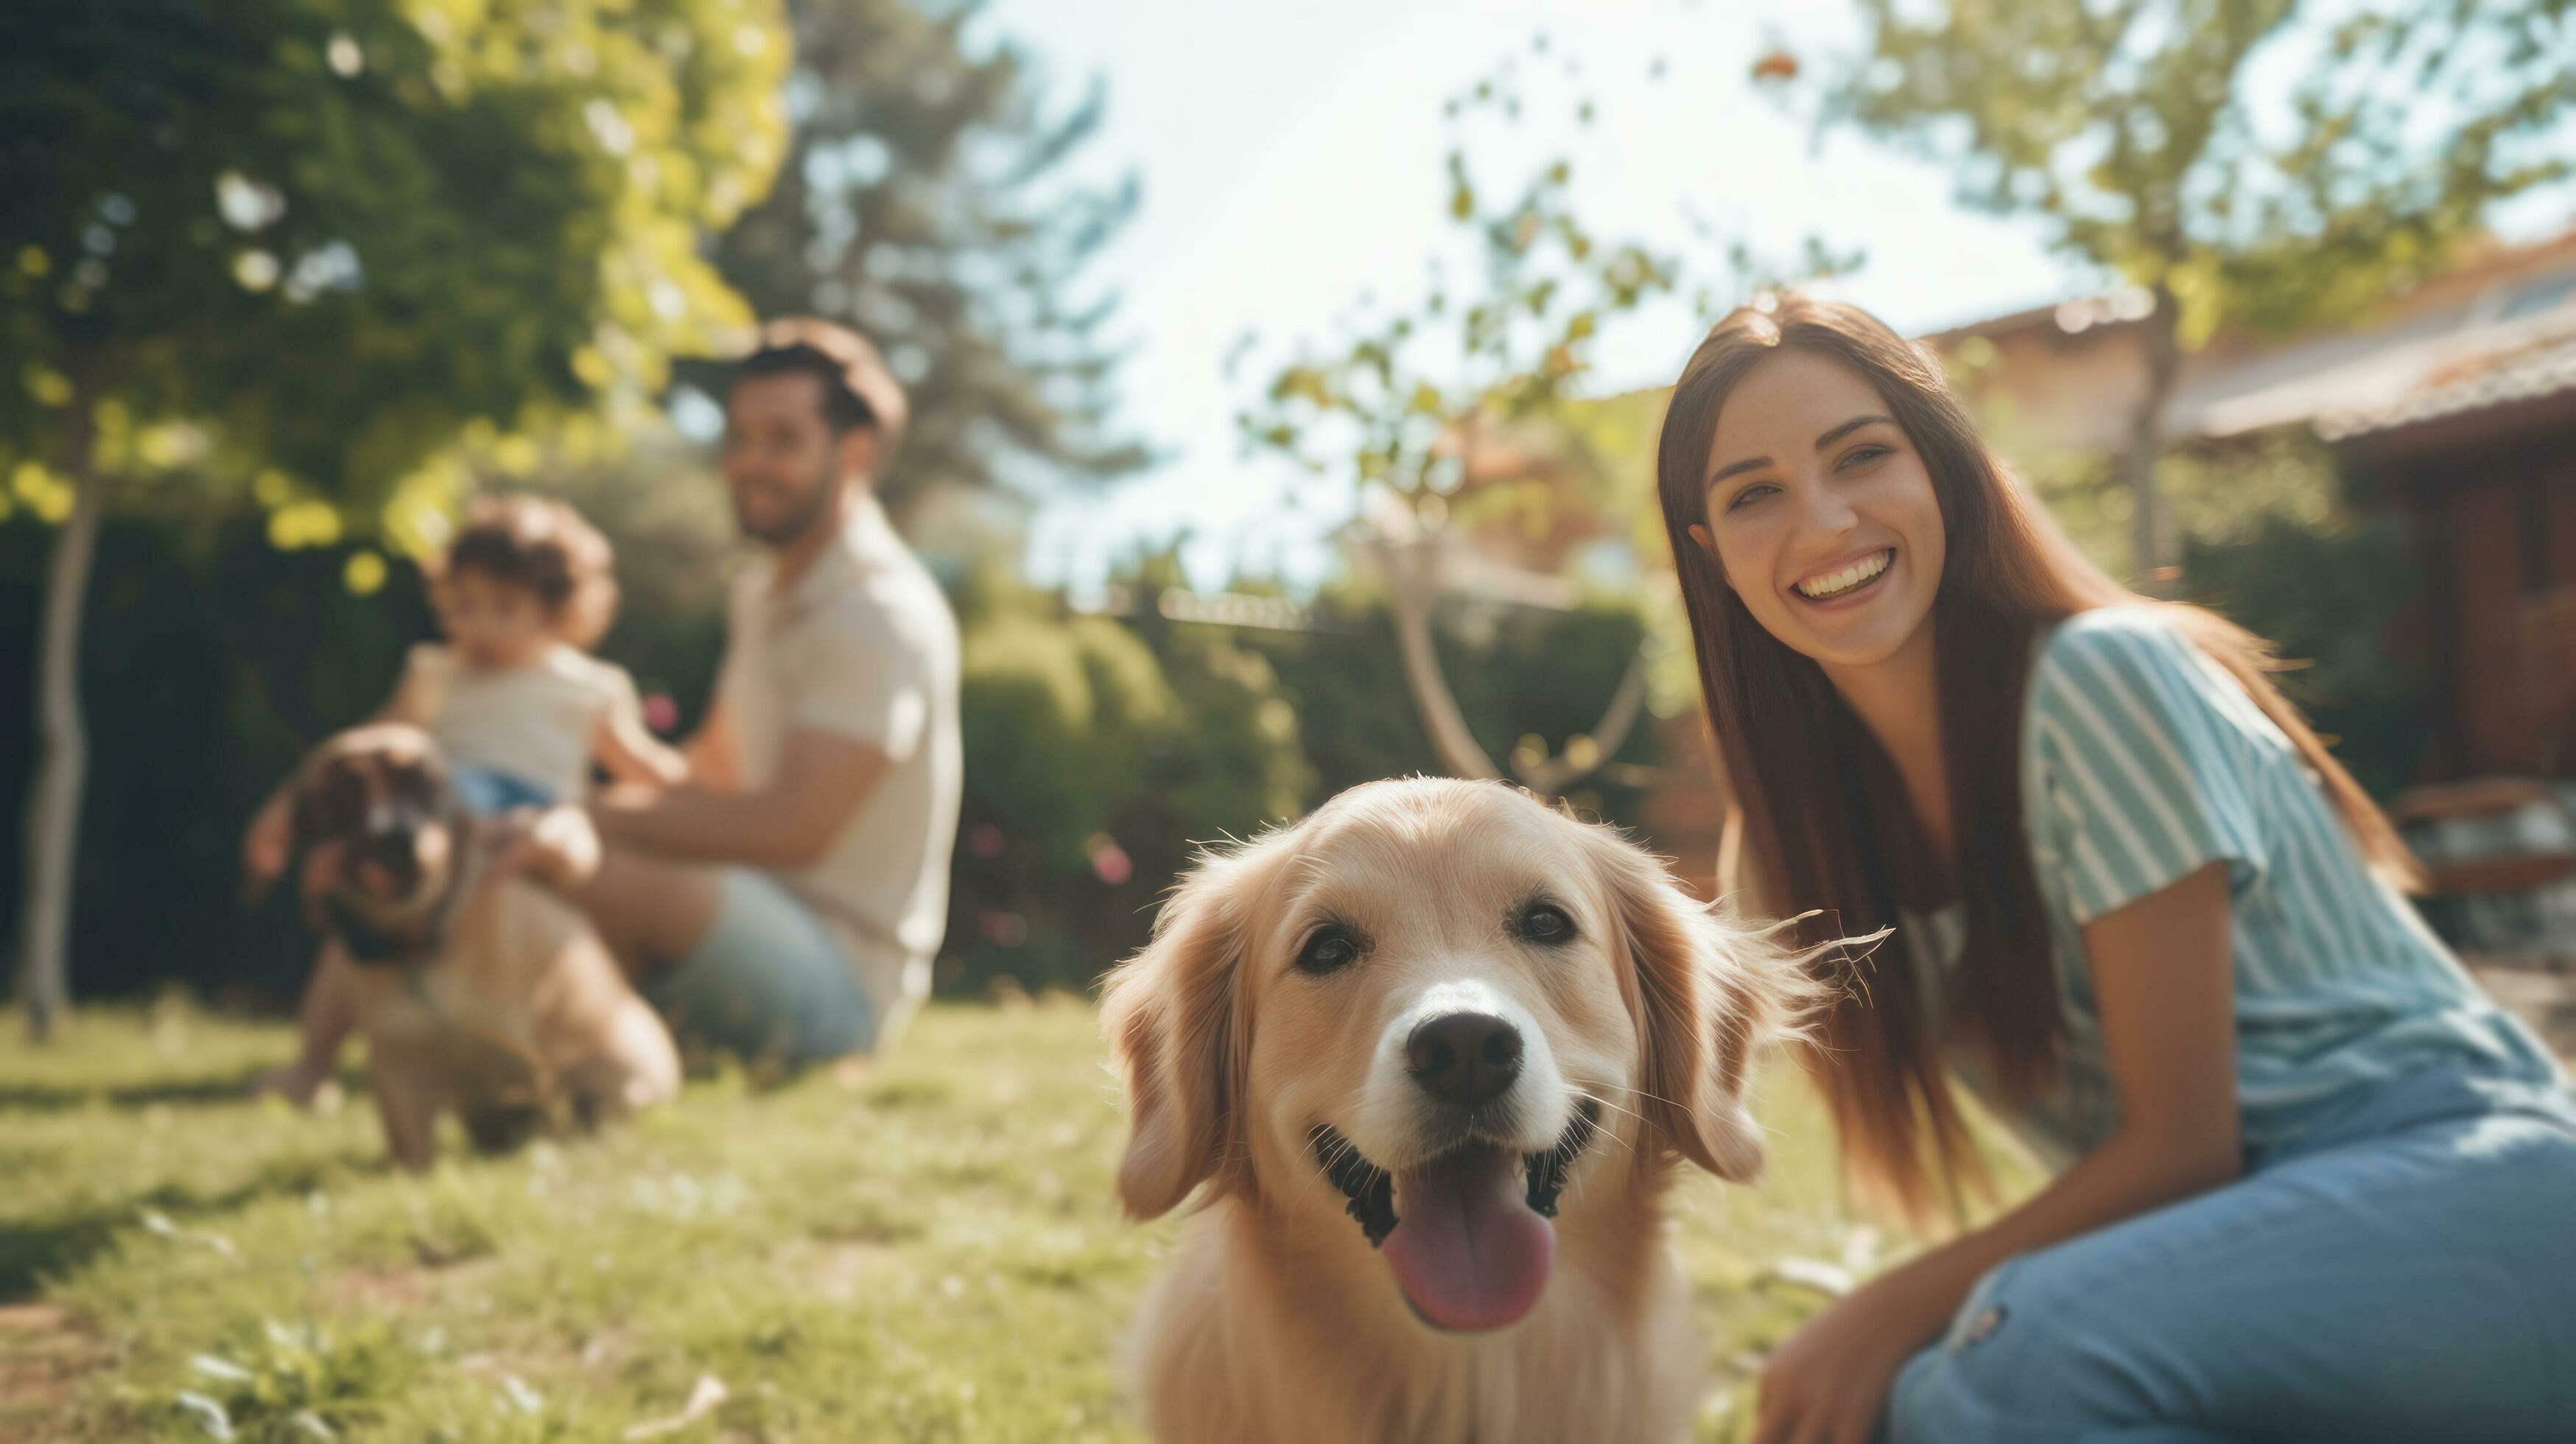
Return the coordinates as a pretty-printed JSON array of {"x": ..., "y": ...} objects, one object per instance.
[{"x": 1276, "y": 1320}]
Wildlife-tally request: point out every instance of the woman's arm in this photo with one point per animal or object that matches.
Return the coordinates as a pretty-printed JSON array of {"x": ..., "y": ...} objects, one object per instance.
[{"x": 2163, "y": 973}]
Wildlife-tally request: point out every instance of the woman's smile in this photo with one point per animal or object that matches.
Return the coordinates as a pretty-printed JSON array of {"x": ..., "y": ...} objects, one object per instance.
[{"x": 1847, "y": 583}]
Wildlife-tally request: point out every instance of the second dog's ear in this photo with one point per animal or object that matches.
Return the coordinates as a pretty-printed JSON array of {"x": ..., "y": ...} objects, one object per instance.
[
  {"x": 1710, "y": 995},
  {"x": 311, "y": 828},
  {"x": 1176, "y": 1037}
]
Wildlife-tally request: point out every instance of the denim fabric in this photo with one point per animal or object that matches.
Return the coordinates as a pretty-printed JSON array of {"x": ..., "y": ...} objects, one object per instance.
[
  {"x": 492, "y": 793},
  {"x": 2407, "y": 1273},
  {"x": 767, "y": 981}
]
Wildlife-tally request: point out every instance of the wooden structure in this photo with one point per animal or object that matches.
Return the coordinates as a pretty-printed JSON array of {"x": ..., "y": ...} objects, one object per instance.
[
  {"x": 2456, "y": 402},
  {"x": 2483, "y": 468}
]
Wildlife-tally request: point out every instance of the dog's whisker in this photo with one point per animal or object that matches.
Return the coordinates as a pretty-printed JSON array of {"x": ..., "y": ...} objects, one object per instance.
[
  {"x": 1615, "y": 1108},
  {"x": 1370, "y": 1188},
  {"x": 1547, "y": 1170},
  {"x": 1653, "y": 1097},
  {"x": 1337, "y": 1148},
  {"x": 1624, "y": 1144},
  {"x": 1332, "y": 1143},
  {"x": 1303, "y": 1189}
]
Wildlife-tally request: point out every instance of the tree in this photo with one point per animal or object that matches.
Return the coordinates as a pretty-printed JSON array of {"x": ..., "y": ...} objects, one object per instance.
[
  {"x": 2153, "y": 136},
  {"x": 319, "y": 238},
  {"x": 925, "y": 204},
  {"x": 1105, "y": 755},
  {"x": 1435, "y": 410}
]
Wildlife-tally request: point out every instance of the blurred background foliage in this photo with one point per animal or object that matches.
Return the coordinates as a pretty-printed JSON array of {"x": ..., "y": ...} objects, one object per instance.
[{"x": 445, "y": 247}]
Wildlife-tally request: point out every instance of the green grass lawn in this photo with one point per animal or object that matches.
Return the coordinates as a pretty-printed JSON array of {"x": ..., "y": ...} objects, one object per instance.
[{"x": 934, "y": 1254}]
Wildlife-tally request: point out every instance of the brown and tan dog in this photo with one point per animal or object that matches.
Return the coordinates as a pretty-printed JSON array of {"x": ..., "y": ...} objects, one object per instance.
[
  {"x": 482, "y": 994},
  {"x": 1435, "y": 1054}
]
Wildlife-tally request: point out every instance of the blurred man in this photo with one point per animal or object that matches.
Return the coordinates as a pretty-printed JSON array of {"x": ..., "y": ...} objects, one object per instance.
[{"x": 788, "y": 901}]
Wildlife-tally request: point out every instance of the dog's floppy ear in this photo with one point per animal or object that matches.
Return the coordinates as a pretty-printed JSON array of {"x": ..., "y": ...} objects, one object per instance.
[
  {"x": 1710, "y": 994},
  {"x": 305, "y": 849},
  {"x": 1174, "y": 1036},
  {"x": 306, "y": 828}
]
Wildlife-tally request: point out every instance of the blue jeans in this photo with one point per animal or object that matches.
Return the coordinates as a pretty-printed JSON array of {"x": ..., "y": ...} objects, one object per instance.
[
  {"x": 768, "y": 981},
  {"x": 490, "y": 793},
  {"x": 2409, "y": 1274}
]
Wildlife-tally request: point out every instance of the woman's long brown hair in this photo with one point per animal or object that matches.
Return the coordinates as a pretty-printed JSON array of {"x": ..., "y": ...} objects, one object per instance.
[{"x": 1827, "y": 827}]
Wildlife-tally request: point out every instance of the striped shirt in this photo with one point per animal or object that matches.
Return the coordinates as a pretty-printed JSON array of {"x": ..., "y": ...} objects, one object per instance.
[{"x": 2143, "y": 761}]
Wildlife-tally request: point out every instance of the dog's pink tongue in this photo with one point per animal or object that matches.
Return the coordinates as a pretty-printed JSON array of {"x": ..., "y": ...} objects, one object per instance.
[{"x": 1467, "y": 1248}]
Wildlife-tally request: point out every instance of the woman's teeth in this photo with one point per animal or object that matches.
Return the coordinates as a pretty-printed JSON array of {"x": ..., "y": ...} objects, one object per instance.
[{"x": 1834, "y": 583}]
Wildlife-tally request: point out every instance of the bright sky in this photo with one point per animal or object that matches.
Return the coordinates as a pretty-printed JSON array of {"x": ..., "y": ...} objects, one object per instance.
[{"x": 1291, "y": 159}]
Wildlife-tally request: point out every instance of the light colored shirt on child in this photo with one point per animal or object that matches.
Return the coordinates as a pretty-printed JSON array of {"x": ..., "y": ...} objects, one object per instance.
[{"x": 534, "y": 723}]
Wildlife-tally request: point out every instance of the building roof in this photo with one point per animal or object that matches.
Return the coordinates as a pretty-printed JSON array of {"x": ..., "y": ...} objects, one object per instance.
[
  {"x": 2122, "y": 306},
  {"x": 2539, "y": 369},
  {"x": 2499, "y": 331}
]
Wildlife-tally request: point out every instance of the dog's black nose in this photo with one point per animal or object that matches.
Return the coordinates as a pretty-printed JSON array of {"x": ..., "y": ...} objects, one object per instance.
[{"x": 1464, "y": 1058}]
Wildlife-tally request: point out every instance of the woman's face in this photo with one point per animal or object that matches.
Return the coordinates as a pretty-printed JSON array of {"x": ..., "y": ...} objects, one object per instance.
[{"x": 1821, "y": 512}]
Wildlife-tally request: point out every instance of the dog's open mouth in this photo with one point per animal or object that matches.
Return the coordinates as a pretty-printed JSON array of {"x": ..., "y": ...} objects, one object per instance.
[{"x": 1471, "y": 1247}]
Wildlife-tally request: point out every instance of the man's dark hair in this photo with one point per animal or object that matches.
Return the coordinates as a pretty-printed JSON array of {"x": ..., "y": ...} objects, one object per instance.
[{"x": 843, "y": 408}]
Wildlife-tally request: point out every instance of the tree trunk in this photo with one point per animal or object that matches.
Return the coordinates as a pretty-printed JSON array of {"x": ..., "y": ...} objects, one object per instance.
[
  {"x": 1409, "y": 565},
  {"x": 1411, "y": 568},
  {"x": 2152, "y": 537},
  {"x": 62, "y": 746}
]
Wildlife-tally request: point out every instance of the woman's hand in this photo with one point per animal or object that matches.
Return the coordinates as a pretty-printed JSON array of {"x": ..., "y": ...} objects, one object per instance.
[{"x": 1828, "y": 1384}]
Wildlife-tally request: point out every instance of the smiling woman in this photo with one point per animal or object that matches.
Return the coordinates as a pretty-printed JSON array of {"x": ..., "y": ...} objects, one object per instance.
[
  {"x": 1823, "y": 498},
  {"x": 2141, "y": 909}
]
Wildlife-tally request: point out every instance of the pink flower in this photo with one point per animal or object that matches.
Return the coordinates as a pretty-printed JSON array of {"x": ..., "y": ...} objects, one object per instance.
[
  {"x": 661, "y": 713},
  {"x": 984, "y": 840},
  {"x": 1111, "y": 861},
  {"x": 1006, "y": 928}
]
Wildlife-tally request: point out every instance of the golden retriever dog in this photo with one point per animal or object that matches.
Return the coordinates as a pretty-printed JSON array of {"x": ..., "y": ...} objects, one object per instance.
[
  {"x": 1433, "y": 1055},
  {"x": 479, "y": 993}
]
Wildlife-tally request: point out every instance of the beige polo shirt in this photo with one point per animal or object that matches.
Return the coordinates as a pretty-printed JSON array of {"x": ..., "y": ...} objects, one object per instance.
[{"x": 861, "y": 646}]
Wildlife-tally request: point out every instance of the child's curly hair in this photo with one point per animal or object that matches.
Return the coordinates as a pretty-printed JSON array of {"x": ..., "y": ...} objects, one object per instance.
[{"x": 546, "y": 547}]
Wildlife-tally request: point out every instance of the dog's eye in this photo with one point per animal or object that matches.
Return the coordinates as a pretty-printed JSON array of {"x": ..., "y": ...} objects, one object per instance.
[
  {"x": 1329, "y": 950},
  {"x": 1544, "y": 923}
]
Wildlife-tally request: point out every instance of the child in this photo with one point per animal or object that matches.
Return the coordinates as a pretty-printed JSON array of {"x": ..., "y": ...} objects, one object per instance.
[
  {"x": 516, "y": 703},
  {"x": 520, "y": 709}
]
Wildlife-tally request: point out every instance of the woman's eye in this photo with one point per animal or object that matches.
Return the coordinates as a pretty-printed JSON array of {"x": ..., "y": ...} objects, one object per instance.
[
  {"x": 1862, "y": 455},
  {"x": 1544, "y": 923},
  {"x": 1329, "y": 950},
  {"x": 1750, "y": 494}
]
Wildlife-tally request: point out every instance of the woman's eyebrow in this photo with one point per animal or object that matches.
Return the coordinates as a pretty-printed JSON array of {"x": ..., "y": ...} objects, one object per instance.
[
  {"x": 1750, "y": 463},
  {"x": 1756, "y": 463},
  {"x": 1847, "y": 428}
]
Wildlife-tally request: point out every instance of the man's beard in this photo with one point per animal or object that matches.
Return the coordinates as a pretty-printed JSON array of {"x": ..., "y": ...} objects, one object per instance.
[{"x": 805, "y": 515}]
